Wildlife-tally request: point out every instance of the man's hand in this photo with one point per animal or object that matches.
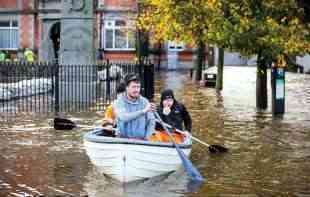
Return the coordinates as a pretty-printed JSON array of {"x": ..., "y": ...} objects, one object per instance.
[
  {"x": 107, "y": 121},
  {"x": 150, "y": 107}
]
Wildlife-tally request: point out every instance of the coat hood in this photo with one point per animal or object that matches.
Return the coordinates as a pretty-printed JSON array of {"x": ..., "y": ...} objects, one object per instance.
[{"x": 166, "y": 94}]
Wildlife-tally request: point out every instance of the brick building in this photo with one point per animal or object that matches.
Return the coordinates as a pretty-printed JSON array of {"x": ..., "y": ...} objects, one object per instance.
[{"x": 35, "y": 24}]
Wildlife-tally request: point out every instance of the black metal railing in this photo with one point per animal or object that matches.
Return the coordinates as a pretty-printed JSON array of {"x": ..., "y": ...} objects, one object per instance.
[{"x": 48, "y": 87}]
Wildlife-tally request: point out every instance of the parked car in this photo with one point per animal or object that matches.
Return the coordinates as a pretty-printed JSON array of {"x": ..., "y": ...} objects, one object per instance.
[{"x": 209, "y": 76}]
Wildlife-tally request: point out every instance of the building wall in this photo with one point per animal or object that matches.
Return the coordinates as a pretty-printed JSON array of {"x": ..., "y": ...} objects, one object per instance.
[
  {"x": 8, "y": 4},
  {"x": 119, "y": 55},
  {"x": 231, "y": 58},
  {"x": 305, "y": 62},
  {"x": 119, "y": 4},
  {"x": 34, "y": 29},
  {"x": 26, "y": 31},
  {"x": 25, "y": 21}
]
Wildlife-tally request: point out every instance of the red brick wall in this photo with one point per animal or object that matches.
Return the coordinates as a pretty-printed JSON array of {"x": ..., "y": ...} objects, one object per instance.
[
  {"x": 120, "y": 3},
  {"x": 185, "y": 56},
  {"x": 25, "y": 31},
  {"x": 27, "y": 4},
  {"x": 120, "y": 56},
  {"x": 8, "y": 3}
]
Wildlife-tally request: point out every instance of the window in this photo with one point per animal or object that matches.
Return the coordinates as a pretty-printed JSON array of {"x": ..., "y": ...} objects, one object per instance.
[
  {"x": 175, "y": 46},
  {"x": 8, "y": 34},
  {"x": 100, "y": 3},
  {"x": 118, "y": 35}
]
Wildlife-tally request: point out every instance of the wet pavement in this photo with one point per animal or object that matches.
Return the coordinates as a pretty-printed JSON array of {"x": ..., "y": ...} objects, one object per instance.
[{"x": 267, "y": 156}]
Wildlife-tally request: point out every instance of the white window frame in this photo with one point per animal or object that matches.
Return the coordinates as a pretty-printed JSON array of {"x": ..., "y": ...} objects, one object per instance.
[
  {"x": 110, "y": 25},
  {"x": 176, "y": 46},
  {"x": 100, "y": 4},
  {"x": 10, "y": 28}
]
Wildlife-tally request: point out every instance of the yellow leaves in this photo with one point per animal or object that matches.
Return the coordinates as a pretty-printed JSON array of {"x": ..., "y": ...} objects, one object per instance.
[
  {"x": 212, "y": 4},
  {"x": 271, "y": 23},
  {"x": 296, "y": 46},
  {"x": 247, "y": 26},
  {"x": 294, "y": 21}
]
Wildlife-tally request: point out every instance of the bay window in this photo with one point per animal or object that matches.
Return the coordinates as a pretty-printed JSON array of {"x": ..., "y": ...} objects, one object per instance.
[
  {"x": 8, "y": 34},
  {"x": 118, "y": 35}
]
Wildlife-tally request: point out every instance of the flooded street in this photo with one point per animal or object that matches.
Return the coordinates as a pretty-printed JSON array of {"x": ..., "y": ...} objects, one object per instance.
[{"x": 267, "y": 156}]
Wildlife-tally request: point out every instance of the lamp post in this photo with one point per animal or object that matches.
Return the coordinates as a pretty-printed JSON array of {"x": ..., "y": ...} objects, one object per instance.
[{"x": 278, "y": 87}]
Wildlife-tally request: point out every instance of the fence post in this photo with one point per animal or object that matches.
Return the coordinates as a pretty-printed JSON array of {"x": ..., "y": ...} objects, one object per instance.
[
  {"x": 149, "y": 83},
  {"x": 108, "y": 81},
  {"x": 56, "y": 90}
]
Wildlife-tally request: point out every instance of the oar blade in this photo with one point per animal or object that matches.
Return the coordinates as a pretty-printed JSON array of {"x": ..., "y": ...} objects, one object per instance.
[
  {"x": 217, "y": 149},
  {"x": 63, "y": 124},
  {"x": 192, "y": 172},
  {"x": 190, "y": 169}
]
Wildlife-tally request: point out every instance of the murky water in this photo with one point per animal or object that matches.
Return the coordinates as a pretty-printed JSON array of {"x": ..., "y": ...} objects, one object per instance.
[{"x": 267, "y": 156}]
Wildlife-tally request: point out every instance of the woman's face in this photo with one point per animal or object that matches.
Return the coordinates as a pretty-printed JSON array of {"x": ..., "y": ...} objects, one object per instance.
[{"x": 168, "y": 102}]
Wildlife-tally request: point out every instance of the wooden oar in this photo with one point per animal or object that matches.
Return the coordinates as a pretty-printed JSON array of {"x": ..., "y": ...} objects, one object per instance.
[
  {"x": 190, "y": 169},
  {"x": 66, "y": 124},
  {"x": 214, "y": 148}
]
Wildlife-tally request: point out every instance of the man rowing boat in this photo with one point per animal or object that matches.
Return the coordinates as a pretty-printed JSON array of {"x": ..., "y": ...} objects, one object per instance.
[{"x": 133, "y": 112}]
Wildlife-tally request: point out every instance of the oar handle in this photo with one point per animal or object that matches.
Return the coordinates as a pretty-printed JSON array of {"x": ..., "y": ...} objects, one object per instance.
[
  {"x": 163, "y": 124},
  {"x": 201, "y": 142},
  {"x": 194, "y": 138}
]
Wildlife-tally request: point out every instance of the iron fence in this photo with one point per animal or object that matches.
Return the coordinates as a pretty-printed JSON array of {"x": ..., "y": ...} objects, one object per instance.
[{"x": 48, "y": 87}]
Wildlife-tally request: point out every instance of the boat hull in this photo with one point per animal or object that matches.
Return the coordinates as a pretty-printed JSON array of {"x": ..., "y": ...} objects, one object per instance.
[{"x": 129, "y": 160}]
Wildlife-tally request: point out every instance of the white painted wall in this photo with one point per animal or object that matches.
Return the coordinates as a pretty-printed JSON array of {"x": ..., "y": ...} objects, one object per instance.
[
  {"x": 305, "y": 62},
  {"x": 230, "y": 58}
]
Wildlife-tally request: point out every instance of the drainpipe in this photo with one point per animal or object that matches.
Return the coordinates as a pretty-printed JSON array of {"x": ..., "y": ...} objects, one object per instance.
[{"x": 35, "y": 25}]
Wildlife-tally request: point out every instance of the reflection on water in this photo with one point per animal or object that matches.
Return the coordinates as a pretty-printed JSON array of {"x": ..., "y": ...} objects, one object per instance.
[
  {"x": 171, "y": 185},
  {"x": 267, "y": 156}
]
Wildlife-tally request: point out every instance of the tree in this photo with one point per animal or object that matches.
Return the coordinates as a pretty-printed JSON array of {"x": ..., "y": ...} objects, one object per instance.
[
  {"x": 180, "y": 20},
  {"x": 305, "y": 5},
  {"x": 270, "y": 29}
]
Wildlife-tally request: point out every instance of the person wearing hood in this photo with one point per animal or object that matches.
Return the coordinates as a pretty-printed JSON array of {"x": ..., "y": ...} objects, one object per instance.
[
  {"x": 173, "y": 112},
  {"x": 133, "y": 112}
]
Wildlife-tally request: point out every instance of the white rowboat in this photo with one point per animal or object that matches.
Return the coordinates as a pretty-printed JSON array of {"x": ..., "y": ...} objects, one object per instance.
[{"x": 129, "y": 160}]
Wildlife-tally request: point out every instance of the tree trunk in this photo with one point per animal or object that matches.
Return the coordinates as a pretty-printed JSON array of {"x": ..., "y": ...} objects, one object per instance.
[
  {"x": 159, "y": 56},
  {"x": 261, "y": 82},
  {"x": 200, "y": 62},
  {"x": 210, "y": 56},
  {"x": 220, "y": 70},
  {"x": 142, "y": 45}
]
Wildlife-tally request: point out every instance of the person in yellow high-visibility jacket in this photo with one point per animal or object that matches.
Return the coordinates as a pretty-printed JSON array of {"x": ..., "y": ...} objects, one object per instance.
[
  {"x": 109, "y": 115},
  {"x": 29, "y": 55},
  {"x": 2, "y": 56}
]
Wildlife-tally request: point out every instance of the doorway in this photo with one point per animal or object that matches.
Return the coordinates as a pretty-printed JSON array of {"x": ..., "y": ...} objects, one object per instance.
[{"x": 55, "y": 37}]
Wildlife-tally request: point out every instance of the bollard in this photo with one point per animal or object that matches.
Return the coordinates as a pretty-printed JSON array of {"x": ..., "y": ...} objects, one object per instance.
[{"x": 278, "y": 90}]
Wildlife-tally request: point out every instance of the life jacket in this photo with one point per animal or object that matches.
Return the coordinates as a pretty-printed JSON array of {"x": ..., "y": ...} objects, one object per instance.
[
  {"x": 109, "y": 113},
  {"x": 162, "y": 136}
]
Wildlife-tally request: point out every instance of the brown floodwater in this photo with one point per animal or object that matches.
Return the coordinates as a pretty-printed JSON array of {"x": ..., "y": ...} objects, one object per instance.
[{"x": 268, "y": 156}]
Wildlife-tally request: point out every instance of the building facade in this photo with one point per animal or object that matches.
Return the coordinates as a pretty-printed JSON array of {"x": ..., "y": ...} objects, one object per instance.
[{"x": 35, "y": 24}]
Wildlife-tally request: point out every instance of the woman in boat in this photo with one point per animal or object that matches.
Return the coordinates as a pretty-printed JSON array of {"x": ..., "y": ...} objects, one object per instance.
[{"x": 173, "y": 112}]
